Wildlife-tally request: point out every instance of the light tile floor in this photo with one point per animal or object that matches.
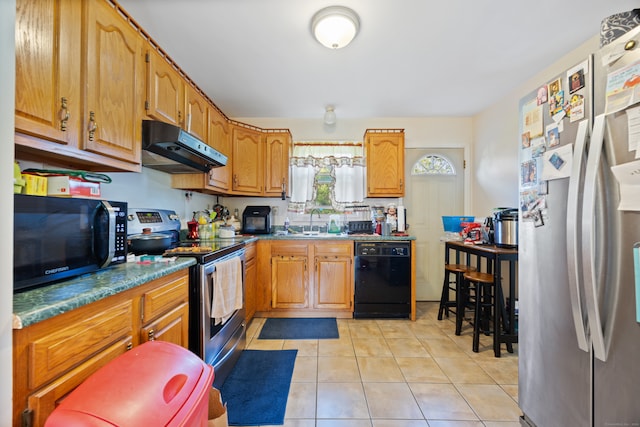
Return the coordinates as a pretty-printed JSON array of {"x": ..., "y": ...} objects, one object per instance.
[{"x": 398, "y": 373}]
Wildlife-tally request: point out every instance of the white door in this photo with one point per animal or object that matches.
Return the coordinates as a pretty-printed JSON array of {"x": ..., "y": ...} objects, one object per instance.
[{"x": 428, "y": 197}]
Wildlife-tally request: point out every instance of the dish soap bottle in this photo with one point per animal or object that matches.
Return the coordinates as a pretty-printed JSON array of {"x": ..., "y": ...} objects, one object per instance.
[
  {"x": 286, "y": 225},
  {"x": 333, "y": 224}
]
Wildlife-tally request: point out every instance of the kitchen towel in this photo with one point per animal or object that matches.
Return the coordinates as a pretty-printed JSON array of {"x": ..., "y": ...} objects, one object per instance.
[
  {"x": 256, "y": 390},
  {"x": 299, "y": 329},
  {"x": 227, "y": 290}
]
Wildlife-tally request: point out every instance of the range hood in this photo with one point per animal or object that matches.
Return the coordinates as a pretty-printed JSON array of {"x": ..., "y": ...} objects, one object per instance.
[{"x": 170, "y": 149}]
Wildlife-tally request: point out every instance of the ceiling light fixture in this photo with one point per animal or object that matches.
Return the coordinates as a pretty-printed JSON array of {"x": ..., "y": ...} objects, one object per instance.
[
  {"x": 335, "y": 26},
  {"x": 329, "y": 115}
]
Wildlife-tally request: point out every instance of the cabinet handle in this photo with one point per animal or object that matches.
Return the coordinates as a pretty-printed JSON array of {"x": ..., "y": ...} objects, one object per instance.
[
  {"x": 129, "y": 345},
  {"x": 151, "y": 335},
  {"x": 401, "y": 183},
  {"x": 64, "y": 114},
  {"x": 180, "y": 120},
  {"x": 93, "y": 125},
  {"x": 235, "y": 181}
]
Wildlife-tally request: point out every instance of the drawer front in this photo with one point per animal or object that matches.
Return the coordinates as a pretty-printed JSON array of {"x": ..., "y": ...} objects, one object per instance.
[
  {"x": 334, "y": 248},
  {"x": 66, "y": 347},
  {"x": 288, "y": 248},
  {"x": 250, "y": 251},
  {"x": 45, "y": 400},
  {"x": 172, "y": 327},
  {"x": 165, "y": 297}
]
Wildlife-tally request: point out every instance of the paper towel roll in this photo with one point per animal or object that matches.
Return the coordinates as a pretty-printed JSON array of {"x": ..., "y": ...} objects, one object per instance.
[{"x": 401, "y": 219}]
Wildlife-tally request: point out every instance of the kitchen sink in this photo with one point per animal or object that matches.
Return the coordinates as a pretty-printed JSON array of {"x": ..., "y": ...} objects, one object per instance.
[{"x": 314, "y": 235}]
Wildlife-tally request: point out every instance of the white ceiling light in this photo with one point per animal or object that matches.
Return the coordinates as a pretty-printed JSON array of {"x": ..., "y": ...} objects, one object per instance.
[
  {"x": 335, "y": 26},
  {"x": 329, "y": 115}
]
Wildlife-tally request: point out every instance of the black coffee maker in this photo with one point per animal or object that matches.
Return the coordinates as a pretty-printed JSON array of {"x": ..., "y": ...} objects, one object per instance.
[{"x": 488, "y": 231}]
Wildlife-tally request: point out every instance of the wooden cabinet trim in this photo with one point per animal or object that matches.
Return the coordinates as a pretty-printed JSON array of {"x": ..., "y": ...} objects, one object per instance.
[
  {"x": 41, "y": 403},
  {"x": 60, "y": 350},
  {"x": 158, "y": 300}
]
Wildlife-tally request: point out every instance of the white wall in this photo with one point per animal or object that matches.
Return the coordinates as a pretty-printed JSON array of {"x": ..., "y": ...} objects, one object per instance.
[
  {"x": 496, "y": 139},
  {"x": 7, "y": 84}
]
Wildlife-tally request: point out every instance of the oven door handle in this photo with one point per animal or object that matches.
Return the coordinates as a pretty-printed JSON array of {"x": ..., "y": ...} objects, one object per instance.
[{"x": 207, "y": 286}]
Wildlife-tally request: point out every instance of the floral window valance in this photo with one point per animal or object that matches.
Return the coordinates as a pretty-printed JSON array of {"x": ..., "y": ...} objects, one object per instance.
[
  {"x": 327, "y": 175},
  {"x": 320, "y": 154}
]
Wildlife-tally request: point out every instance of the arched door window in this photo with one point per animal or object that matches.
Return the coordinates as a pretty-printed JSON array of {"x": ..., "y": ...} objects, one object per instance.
[{"x": 432, "y": 164}]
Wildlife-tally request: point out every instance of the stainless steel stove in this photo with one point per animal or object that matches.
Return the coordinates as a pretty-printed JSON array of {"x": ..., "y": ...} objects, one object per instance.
[
  {"x": 160, "y": 221},
  {"x": 218, "y": 345}
]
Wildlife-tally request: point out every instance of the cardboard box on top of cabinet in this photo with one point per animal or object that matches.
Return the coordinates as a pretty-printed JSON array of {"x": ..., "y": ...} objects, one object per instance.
[
  {"x": 35, "y": 185},
  {"x": 71, "y": 186}
]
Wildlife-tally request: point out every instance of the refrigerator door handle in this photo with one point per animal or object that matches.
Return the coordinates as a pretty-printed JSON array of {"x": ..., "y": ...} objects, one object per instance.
[
  {"x": 573, "y": 233},
  {"x": 588, "y": 239}
]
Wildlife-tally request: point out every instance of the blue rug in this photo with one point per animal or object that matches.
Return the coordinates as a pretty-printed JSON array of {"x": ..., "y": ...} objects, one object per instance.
[
  {"x": 257, "y": 388},
  {"x": 299, "y": 329}
]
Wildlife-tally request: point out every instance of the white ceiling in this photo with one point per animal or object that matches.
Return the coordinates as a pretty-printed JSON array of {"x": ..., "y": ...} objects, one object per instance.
[{"x": 412, "y": 58}]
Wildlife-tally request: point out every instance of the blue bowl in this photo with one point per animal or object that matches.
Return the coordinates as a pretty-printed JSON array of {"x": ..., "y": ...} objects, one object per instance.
[{"x": 453, "y": 224}]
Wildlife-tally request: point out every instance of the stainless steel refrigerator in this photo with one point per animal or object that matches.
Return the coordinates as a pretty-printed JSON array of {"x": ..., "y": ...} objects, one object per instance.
[{"x": 579, "y": 336}]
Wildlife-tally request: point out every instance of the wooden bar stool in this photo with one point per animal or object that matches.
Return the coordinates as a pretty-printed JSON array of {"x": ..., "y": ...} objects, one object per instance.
[
  {"x": 454, "y": 281},
  {"x": 484, "y": 302}
]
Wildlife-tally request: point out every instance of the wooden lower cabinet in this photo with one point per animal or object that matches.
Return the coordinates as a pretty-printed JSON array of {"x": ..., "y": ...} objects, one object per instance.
[
  {"x": 251, "y": 281},
  {"x": 44, "y": 401},
  {"x": 333, "y": 276},
  {"x": 172, "y": 327},
  {"x": 52, "y": 357},
  {"x": 289, "y": 282},
  {"x": 307, "y": 278}
]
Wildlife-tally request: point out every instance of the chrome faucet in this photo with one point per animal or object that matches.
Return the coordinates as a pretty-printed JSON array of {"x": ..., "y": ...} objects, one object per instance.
[{"x": 316, "y": 210}]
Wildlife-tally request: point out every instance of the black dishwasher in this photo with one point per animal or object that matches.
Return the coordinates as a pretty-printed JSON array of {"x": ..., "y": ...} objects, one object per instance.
[{"x": 382, "y": 280}]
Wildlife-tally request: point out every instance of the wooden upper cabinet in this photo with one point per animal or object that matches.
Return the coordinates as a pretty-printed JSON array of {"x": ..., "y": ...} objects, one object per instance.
[
  {"x": 248, "y": 160},
  {"x": 197, "y": 110},
  {"x": 165, "y": 90},
  {"x": 276, "y": 180},
  {"x": 220, "y": 139},
  {"x": 114, "y": 75},
  {"x": 385, "y": 162},
  {"x": 47, "y": 40}
]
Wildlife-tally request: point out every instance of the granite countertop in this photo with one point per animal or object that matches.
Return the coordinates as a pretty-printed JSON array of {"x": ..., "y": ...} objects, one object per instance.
[
  {"x": 328, "y": 236},
  {"x": 39, "y": 304}
]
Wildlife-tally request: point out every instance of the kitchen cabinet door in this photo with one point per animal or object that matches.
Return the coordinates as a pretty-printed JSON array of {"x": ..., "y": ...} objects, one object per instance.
[
  {"x": 197, "y": 108},
  {"x": 385, "y": 162},
  {"x": 251, "y": 282},
  {"x": 220, "y": 139},
  {"x": 43, "y": 402},
  {"x": 248, "y": 160},
  {"x": 165, "y": 90},
  {"x": 277, "y": 164},
  {"x": 165, "y": 312},
  {"x": 114, "y": 78},
  {"x": 47, "y": 98},
  {"x": 289, "y": 282},
  {"x": 333, "y": 276},
  {"x": 172, "y": 327}
]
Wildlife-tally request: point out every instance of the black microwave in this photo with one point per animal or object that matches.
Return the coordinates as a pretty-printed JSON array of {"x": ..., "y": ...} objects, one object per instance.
[
  {"x": 256, "y": 220},
  {"x": 57, "y": 238}
]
